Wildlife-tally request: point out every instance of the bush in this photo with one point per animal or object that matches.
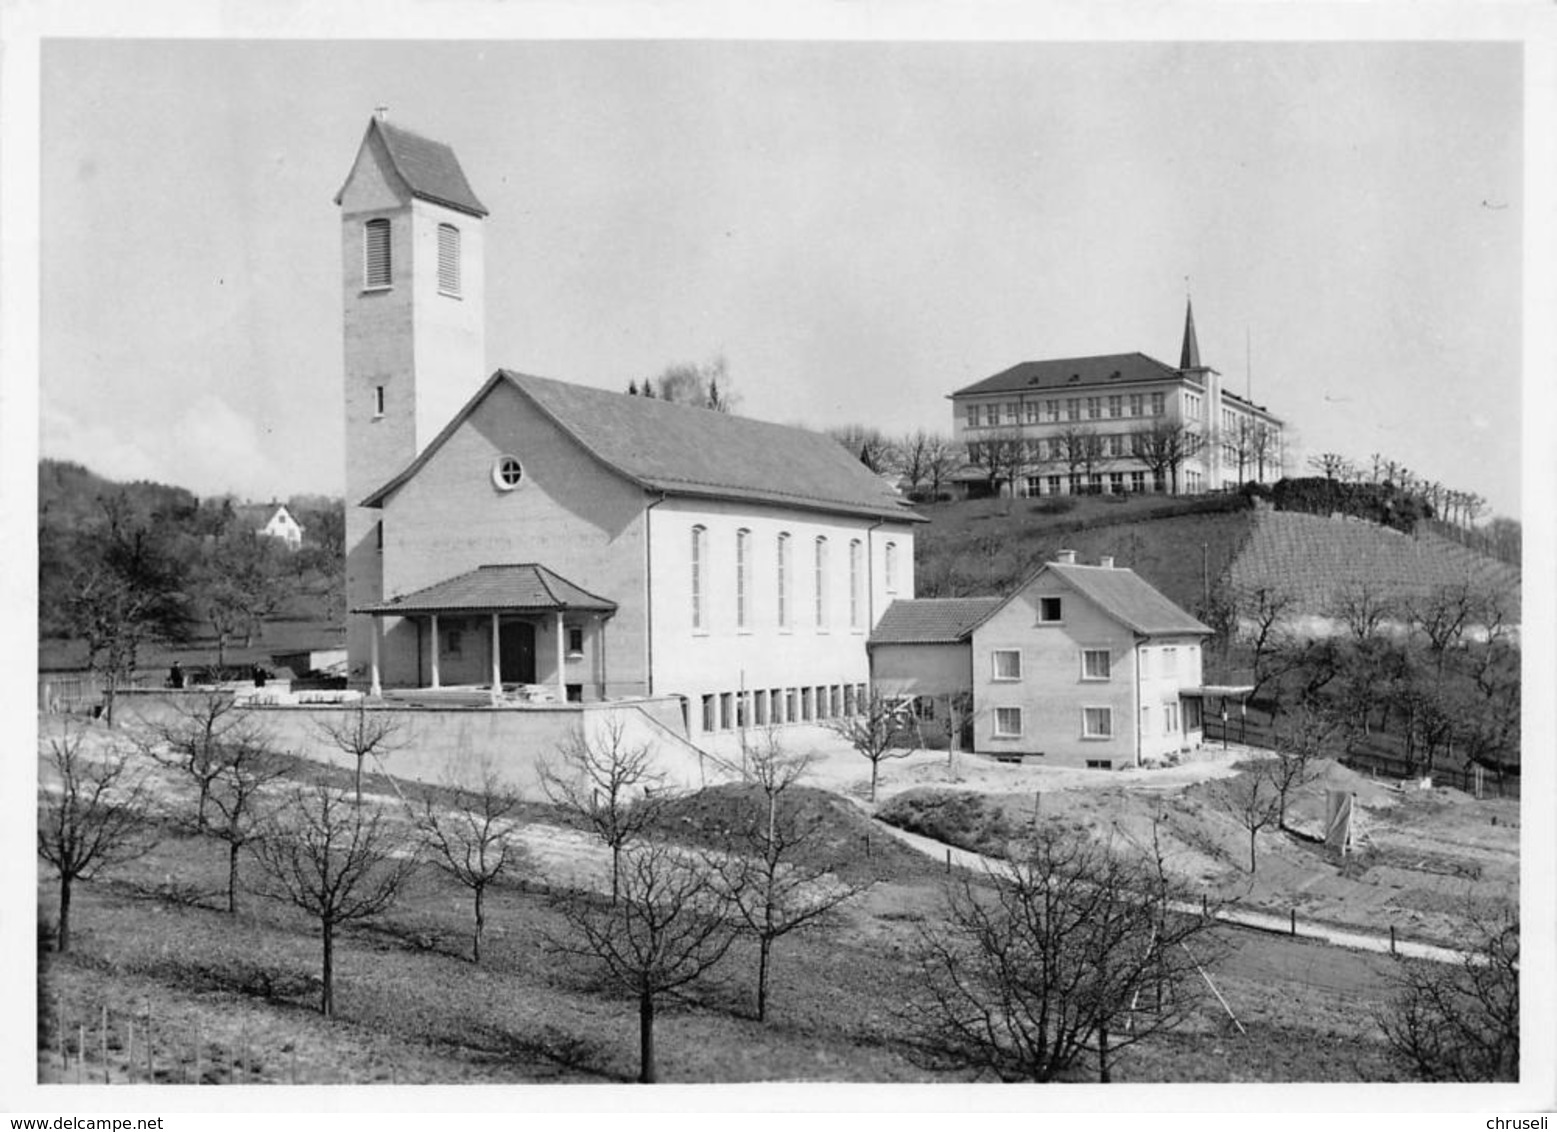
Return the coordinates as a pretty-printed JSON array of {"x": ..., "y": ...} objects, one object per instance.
[{"x": 960, "y": 818}]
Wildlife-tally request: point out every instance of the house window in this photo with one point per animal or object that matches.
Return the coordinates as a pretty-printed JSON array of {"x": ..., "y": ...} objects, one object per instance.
[
  {"x": 1034, "y": 485},
  {"x": 742, "y": 579},
  {"x": 856, "y": 581},
  {"x": 1075, "y": 483},
  {"x": 453, "y": 643},
  {"x": 1170, "y": 662},
  {"x": 891, "y": 567},
  {"x": 1116, "y": 404},
  {"x": 1095, "y": 664},
  {"x": 1008, "y": 722},
  {"x": 1137, "y": 481},
  {"x": 1051, "y": 411},
  {"x": 1011, "y": 411},
  {"x": 507, "y": 473},
  {"x": 1008, "y": 664},
  {"x": 973, "y": 416},
  {"x": 375, "y": 255},
  {"x": 1054, "y": 485},
  {"x": 1097, "y": 723},
  {"x": 1137, "y": 403},
  {"x": 1157, "y": 404},
  {"x": 378, "y": 535},
  {"x": 378, "y": 400},
  {"x": 575, "y": 640},
  {"x": 699, "y": 581},
  {"x": 448, "y": 260},
  {"x": 783, "y": 580},
  {"x": 709, "y": 720},
  {"x": 1116, "y": 483},
  {"x": 821, "y": 581},
  {"x": 1170, "y": 719},
  {"x": 1073, "y": 408},
  {"x": 1100, "y": 764},
  {"x": 1049, "y": 610},
  {"x": 1032, "y": 412},
  {"x": 1094, "y": 408}
]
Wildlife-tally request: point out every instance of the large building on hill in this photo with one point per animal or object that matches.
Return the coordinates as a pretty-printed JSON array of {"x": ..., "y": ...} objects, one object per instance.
[
  {"x": 1116, "y": 423},
  {"x": 562, "y": 542}
]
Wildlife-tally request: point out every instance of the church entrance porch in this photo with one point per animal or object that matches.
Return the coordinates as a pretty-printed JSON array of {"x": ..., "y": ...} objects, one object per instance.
[{"x": 522, "y": 633}]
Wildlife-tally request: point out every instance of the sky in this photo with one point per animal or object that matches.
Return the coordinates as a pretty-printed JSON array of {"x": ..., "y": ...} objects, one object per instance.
[{"x": 858, "y": 228}]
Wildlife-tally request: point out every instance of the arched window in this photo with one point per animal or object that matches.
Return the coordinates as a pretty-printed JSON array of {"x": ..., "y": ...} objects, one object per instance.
[
  {"x": 448, "y": 260},
  {"x": 376, "y": 263},
  {"x": 821, "y": 581},
  {"x": 856, "y": 552},
  {"x": 784, "y": 571},
  {"x": 699, "y": 580},
  {"x": 891, "y": 567},
  {"x": 743, "y": 579}
]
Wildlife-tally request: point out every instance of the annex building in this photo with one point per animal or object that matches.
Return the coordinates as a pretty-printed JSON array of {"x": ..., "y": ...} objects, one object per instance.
[
  {"x": 549, "y": 541},
  {"x": 1115, "y": 423}
]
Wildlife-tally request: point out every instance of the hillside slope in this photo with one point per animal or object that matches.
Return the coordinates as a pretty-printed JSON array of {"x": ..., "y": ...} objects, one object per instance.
[{"x": 1315, "y": 557}]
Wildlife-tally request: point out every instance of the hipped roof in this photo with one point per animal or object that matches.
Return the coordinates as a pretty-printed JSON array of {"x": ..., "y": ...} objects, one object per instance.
[{"x": 522, "y": 587}]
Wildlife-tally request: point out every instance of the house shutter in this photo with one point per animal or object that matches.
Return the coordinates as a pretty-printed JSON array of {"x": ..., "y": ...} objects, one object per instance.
[
  {"x": 448, "y": 259},
  {"x": 376, "y": 263}
]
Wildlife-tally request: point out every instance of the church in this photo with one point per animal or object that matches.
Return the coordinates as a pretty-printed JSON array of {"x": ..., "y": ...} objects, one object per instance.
[{"x": 544, "y": 541}]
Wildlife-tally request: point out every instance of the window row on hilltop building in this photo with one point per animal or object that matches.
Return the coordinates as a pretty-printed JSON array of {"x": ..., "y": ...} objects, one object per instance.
[{"x": 1066, "y": 425}]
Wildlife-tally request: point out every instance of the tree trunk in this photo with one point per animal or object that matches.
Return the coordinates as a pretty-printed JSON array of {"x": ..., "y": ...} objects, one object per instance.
[
  {"x": 481, "y": 922},
  {"x": 358, "y": 779},
  {"x": 1103, "y": 1072},
  {"x": 646, "y": 1074},
  {"x": 62, "y": 939},
  {"x": 327, "y": 995},
  {"x": 874, "y": 766},
  {"x": 1252, "y": 835},
  {"x": 616, "y": 872},
  {"x": 764, "y": 947},
  {"x": 232, "y": 876}
]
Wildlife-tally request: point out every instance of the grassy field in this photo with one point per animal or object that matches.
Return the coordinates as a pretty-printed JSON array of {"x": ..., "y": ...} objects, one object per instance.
[{"x": 237, "y": 994}]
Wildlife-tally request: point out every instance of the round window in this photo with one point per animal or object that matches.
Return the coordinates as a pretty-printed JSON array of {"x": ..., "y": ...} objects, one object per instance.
[{"x": 506, "y": 473}]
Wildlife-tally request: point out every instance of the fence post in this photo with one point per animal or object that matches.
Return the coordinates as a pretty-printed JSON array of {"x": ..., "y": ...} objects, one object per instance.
[
  {"x": 1392, "y": 939},
  {"x": 948, "y": 860},
  {"x": 107, "y": 1080},
  {"x": 1293, "y": 913},
  {"x": 80, "y": 1051}
]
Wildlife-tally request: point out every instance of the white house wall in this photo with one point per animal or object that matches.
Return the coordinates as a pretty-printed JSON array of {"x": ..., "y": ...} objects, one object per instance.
[{"x": 721, "y": 657}]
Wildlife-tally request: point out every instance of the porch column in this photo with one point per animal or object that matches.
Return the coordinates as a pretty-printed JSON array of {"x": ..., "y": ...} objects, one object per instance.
[
  {"x": 375, "y": 688},
  {"x": 562, "y": 659},
  {"x": 497, "y": 670},
  {"x": 600, "y": 649},
  {"x": 435, "y": 682}
]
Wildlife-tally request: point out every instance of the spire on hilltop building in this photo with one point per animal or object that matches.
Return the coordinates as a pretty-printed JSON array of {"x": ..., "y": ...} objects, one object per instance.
[{"x": 1189, "y": 356}]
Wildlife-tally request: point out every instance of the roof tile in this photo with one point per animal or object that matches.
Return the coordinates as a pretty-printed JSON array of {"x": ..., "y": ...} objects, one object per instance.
[
  {"x": 933, "y": 620},
  {"x": 500, "y": 588}
]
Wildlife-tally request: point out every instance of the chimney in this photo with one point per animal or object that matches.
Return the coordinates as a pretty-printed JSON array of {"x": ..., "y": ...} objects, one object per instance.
[
  {"x": 1066, "y": 557},
  {"x": 1106, "y": 561}
]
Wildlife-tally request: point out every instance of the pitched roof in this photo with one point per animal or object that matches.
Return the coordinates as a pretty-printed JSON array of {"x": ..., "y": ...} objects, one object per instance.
[
  {"x": 489, "y": 589},
  {"x": 429, "y": 168},
  {"x": 684, "y": 450},
  {"x": 1128, "y": 598},
  {"x": 931, "y": 620},
  {"x": 258, "y": 514},
  {"x": 1061, "y": 373}
]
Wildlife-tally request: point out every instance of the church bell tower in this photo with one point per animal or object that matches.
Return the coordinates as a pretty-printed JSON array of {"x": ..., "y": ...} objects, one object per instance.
[{"x": 413, "y": 289}]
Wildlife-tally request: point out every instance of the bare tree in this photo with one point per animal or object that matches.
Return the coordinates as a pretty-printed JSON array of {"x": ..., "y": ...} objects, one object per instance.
[
  {"x": 877, "y": 731},
  {"x": 1068, "y": 950},
  {"x": 193, "y": 741},
  {"x": 336, "y": 861},
  {"x": 472, "y": 840},
  {"x": 93, "y": 814},
  {"x": 1163, "y": 448},
  {"x": 703, "y": 384},
  {"x": 1302, "y": 736},
  {"x": 362, "y": 734},
  {"x": 1251, "y": 799},
  {"x": 610, "y": 783},
  {"x": 249, "y": 765},
  {"x": 1266, "y": 611},
  {"x": 866, "y": 443},
  {"x": 1363, "y": 607},
  {"x": 666, "y": 926},
  {"x": 1460, "y": 1021},
  {"x": 1333, "y": 466},
  {"x": 775, "y": 872},
  {"x": 1002, "y": 453},
  {"x": 1264, "y": 449},
  {"x": 942, "y": 458}
]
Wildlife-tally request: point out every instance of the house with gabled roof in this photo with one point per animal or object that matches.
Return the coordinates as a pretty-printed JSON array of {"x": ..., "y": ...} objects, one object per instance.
[
  {"x": 570, "y": 542},
  {"x": 1081, "y": 665},
  {"x": 271, "y": 520}
]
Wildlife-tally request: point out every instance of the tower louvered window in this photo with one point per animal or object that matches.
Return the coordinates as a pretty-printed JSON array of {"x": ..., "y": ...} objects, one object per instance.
[
  {"x": 448, "y": 259},
  {"x": 376, "y": 254}
]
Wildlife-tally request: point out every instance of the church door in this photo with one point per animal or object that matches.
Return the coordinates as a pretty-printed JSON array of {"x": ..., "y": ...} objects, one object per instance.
[{"x": 516, "y": 641}]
